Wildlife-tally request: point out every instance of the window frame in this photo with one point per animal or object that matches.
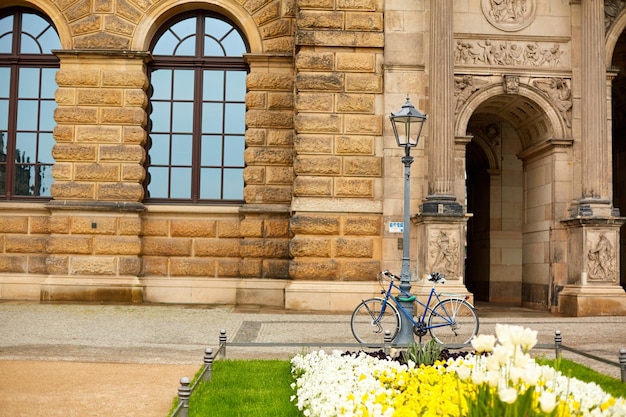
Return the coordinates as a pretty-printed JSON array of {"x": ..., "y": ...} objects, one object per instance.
[
  {"x": 198, "y": 63},
  {"x": 16, "y": 61}
]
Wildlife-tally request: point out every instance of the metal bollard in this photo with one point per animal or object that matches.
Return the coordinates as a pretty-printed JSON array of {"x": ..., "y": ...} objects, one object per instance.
[
  {"x": 184, "y": 392},
  {"x": 387, "y": 342},
  {"x": 558, "y": 341},
  {"x": 223, "y": 343},
  {"x": 622, "y": 363},
  {"x": 208, "y": 364}
]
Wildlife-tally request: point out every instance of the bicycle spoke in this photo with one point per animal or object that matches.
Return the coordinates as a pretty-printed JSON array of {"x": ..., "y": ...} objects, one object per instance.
[
  {"x": 370, "y": 322},
  {"x": 453, "y": 321}
]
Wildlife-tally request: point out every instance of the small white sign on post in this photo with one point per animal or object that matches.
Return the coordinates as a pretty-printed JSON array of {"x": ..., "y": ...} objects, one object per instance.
[{"x": 396, "y": 227}]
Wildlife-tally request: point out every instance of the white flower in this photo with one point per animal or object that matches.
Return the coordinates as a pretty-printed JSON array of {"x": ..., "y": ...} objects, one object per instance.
[
  {"x": 483, "y": 343},
  {"x": 528, "y": 339},
  {"x": 507, "y": 394},
  {"x": 547, "y": 401}
]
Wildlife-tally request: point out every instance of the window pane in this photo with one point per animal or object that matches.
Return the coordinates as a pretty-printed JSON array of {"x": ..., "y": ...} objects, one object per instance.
[
  {"x": 182, "y": 117},
  {"x": 233, "y": 151},
  {"x": 5, "y": 74},
  {"x": 3, "y": 179},
  {"x": 49, "y": 40},
  {"x": 211, "y": 151},
  {"x": 6, "y": 35},
  {"x": 161, "y": 81},
  {"x": 210, "y": 183},
  {"x": 4, "y": 115},
  {"x": 160, "y": 117},
  {"x": 183, "y": 85},
  {"x": 29, "y": 83},
  {"x": 166, "y": 44},
  {"x": 216, "y": 27},
  {"x": 235, "y": 86},
  {"x": 159, "y": 149},
  {"x": 181, "y": 150},
  {"x": 45, "y": 180},
  {"x": 24, "y": 180},
  {"x": 212, "y": 117},
  {"x": 158, "y": 182},
  {"x": 181, "y": 183},
  {"x": 187, "y": 47},
  {"x": 26, "y": 147},
  {"x": 48, "y": 84},
  {"x": 27, "y": 114},
  {"x": 233, "y": 184},
  {"x": 28, "y": 45},
  {"x": 235, "y": 118},
  {"x": 46, "y": 121},
  {"x": 46, "y": 142},
  {"x": 233, "y": 44},
  {"x": 212, "y": 47},
  {"x": 213, "y": 86}
]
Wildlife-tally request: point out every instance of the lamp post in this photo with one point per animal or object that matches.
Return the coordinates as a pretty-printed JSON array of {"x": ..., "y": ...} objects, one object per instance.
[{"x": 407, "y": 126}]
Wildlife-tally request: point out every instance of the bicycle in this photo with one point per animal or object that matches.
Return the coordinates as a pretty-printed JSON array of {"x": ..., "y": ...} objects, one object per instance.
[{"x": 452, "y": 320}]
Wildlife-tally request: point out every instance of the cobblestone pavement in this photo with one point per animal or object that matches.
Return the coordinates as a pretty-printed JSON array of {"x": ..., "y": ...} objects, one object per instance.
[{"x": 170, "y": 338}]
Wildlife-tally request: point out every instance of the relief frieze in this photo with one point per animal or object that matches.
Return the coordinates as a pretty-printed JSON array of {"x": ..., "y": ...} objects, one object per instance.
[{"x": 510, "y": 53}]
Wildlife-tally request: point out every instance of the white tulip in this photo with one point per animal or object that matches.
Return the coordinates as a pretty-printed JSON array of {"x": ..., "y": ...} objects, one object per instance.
[
  {"x": 483, "y": 343},
  {"x": 547, "y": 401}
]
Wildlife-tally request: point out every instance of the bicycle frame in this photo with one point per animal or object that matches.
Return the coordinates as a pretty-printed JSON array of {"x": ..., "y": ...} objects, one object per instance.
[{"x": 449, "y": 320}]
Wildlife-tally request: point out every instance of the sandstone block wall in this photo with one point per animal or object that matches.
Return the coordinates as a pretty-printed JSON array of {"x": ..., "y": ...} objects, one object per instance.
[{"x": 338, "y": 125}]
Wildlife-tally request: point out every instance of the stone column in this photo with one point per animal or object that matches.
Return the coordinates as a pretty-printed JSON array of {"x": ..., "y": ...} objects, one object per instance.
[
  {"x": 593, "y": 105},
  {"x": 441, "y": 197},
  {"x": 593, "y": 286}
]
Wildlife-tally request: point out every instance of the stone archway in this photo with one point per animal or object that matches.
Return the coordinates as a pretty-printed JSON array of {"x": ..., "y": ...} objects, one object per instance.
[{"x": 512, "y": 144}]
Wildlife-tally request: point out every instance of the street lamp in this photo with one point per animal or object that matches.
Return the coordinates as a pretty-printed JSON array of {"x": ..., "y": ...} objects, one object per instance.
[{"x": 407, "y": 126}]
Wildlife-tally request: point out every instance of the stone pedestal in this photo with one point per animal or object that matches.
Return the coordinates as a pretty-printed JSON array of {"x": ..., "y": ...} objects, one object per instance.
[
  {"x": 593, "y": 287},
  {"x": 440, "y": 248}
]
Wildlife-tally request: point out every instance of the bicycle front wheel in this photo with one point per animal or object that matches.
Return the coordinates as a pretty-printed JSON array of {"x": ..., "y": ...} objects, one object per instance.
[
  {"x": 453, "y": 321},
  {"x": 372, "y": 318}
]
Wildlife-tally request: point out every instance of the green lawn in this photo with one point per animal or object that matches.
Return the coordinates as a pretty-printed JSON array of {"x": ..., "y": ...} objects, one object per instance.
[{"x": 245, "y": 388}]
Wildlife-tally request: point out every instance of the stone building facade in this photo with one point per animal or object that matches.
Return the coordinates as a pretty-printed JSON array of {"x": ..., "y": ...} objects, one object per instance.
[{"x": 516, "y": 188}]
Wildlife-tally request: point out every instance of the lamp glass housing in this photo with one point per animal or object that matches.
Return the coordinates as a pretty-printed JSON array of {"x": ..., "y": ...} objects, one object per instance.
[{"x": 407, "y": 125}]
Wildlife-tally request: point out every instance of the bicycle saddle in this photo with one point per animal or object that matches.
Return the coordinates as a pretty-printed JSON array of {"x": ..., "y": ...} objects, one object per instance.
[{"x": 436, "y": 277}]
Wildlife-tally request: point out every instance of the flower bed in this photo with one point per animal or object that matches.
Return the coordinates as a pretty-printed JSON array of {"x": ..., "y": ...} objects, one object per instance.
[{"x": 500, "y": 379}]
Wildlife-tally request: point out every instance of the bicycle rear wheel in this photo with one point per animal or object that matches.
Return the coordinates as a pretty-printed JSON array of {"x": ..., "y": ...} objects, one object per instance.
[
  {"x": 454, "y": 321},
  {"x": 369, "y": 322}
]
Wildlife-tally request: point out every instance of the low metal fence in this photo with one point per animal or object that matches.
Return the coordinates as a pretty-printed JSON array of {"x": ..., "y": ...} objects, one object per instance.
[{"x": 187, "y": 387}]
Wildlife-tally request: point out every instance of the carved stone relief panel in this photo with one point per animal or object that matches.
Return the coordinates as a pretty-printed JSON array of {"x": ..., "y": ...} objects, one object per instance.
[
  {"x": 560, "y": 94},
  {"x": 601, "y": 257},
  {"x": 511, "y": 53},
  {"x": 443, "y": 252},
  {"x": 464, "y": 86},
  {"x": 509, "y": 15},
  {"x": 612, "y": 9}
]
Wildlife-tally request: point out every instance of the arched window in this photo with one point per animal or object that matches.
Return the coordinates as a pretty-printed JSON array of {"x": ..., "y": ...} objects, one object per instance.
[
  {"x": 197, "y": 112},
  {"x": 27, "y": 86}
]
